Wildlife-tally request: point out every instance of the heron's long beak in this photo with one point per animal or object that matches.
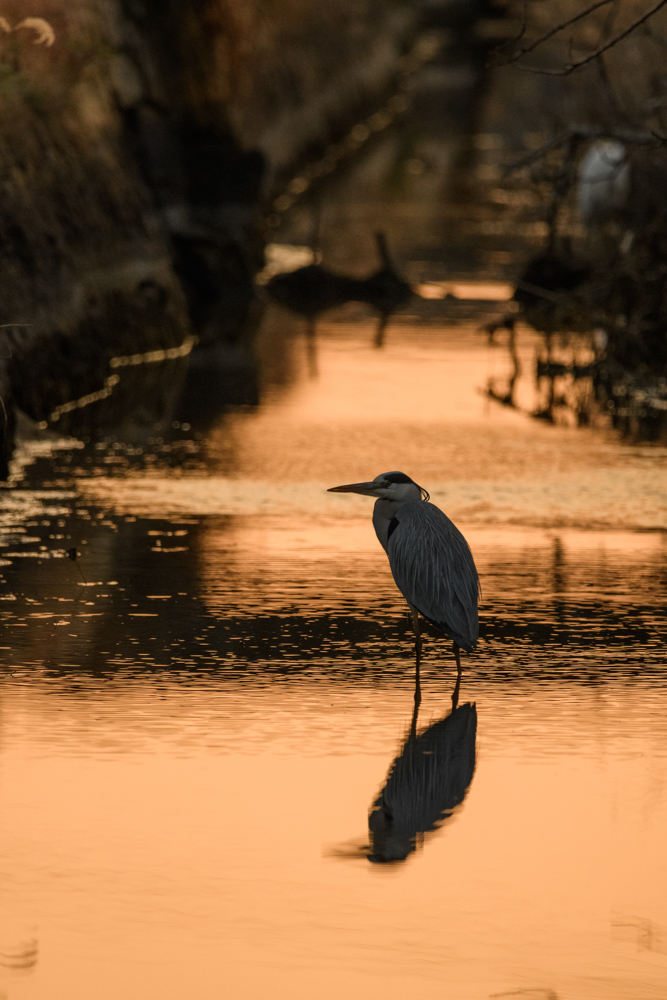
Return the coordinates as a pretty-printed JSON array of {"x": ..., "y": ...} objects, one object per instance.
[{"x": 366, "y": 489}]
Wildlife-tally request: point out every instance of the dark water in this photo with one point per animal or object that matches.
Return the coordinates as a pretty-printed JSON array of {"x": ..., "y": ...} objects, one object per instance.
[{"x": 200, "y": 713}]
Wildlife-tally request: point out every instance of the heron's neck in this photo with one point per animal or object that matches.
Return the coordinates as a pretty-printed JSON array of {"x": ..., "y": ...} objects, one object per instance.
[{"x": 383, "y": 512}]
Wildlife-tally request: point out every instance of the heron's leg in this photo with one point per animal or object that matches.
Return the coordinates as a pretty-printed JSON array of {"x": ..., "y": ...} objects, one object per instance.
[
  {"x": 413, "y": 724},
  {"x": 418, "y": 690},
  {"x": 455, "y": 693},
  {"x": 414, "y": 614},
  {"x": 418, "y": 652},
  {"x": 459, "y": 672}
]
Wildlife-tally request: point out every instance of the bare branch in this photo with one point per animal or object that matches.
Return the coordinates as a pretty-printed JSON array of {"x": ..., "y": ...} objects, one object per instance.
[
  {"x": 572, "y": 66},
  {"x": 635, "y": 137},
  {"x": 554, "y": 31},
  {"x": 522, "y": 31}
]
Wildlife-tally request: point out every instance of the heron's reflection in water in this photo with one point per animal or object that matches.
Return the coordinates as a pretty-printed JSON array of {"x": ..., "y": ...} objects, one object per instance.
[{"x": 426, "y": 782}]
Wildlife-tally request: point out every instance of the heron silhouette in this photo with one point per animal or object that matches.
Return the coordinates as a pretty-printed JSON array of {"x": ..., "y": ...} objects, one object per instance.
[{"x": 429, "y": 558}]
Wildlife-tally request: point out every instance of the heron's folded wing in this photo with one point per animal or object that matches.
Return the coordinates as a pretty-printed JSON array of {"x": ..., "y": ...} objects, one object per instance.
[{"x": 434, "y": 569}]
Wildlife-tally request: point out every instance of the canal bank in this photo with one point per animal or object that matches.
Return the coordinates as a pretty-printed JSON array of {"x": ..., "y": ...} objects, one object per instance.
[{"x": 139, "y": 151}]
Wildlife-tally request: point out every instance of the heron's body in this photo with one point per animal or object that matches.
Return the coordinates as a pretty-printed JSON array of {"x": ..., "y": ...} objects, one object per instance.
[
  {"x": 432, "y": 565},
  {"x": 429, "y": 558}
]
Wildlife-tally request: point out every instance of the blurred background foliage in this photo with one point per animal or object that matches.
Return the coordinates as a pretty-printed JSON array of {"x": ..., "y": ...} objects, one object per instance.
[{"x": 141, "y": 153}]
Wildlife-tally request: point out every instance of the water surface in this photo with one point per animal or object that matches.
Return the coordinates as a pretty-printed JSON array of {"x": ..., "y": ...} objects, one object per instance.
[{"x": 199, "y": 716}]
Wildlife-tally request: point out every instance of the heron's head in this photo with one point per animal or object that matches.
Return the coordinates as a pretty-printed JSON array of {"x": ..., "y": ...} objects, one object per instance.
[{"x": 387, "y": 486}]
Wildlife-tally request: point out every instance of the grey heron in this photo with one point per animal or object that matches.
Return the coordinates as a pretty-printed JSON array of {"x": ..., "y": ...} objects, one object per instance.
[
  {"x": 429, "y": 558},
  {"x": 603, "y": 184}
]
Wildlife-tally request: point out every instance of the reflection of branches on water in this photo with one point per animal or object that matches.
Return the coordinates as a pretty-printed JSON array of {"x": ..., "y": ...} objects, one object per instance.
[
  {"x": 20, "y": 957},
  {"x": 644, "y": 934},
  {"x": 525, "y": 994},
  {"x": 568, "y": 387},
  {"x": 565, "y": 386},
  {"x": 582, "y": 392},
  {"x": 610, "y": 364},
  {"x": 506, "y": 397},
  {"x": 112, "y": 380},
  {"x": 561, "y": 385},
  {"x": 313, "y": 290},
  {"x": 107, "y": 388}
]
